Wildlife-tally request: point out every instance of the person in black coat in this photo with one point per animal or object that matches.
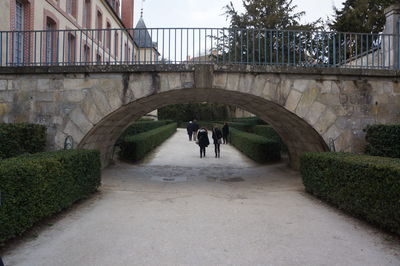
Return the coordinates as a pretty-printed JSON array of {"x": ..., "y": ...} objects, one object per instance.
[
  {"x": 225, "y": 132},
  {"x": 195, "y": 128},
  {"x": 217, "y": 137},
  {"x": 203, "y": 141},
  {"x": 189, "y": 129}
]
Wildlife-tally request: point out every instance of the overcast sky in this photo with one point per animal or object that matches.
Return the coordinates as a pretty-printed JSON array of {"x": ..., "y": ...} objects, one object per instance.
[{"x": 208, "y": 13}]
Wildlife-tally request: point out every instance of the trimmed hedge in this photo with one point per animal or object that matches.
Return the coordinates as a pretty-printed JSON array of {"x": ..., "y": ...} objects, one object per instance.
[
  {"x": 364, "y": 186},
  {"x": 137, "y": 146},
  {"x": 253, "y": 121},
  {"x": 17, "y": 139},
  {"x": 258, "y": 148},
  {"x": 36, "y": 186},
  {"x": 269, "y": 133},
  {"x": 143, "y": 126},
  {"x": 383, "y": 140}
]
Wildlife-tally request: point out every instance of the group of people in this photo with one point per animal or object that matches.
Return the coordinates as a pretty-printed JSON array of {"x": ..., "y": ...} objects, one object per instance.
[{"x": 200, "y": 135}]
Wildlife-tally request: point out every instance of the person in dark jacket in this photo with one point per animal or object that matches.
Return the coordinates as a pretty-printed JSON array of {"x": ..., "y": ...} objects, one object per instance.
[
  {"x": 202, "y": 138},
  {"x": 217, "y": 137},
  {"x": 225, "y": 132},
  {"x": 195, "y": 128},
  {"x": 189, "y": 129}
]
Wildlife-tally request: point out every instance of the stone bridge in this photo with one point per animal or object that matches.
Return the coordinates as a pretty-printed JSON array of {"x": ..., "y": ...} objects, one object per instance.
[{"x": 308, "y": 107}]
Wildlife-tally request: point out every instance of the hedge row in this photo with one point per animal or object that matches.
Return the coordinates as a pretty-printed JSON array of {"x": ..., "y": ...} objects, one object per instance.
[
  {"x": 137, "y": 146},
  {"x": 143, "y": 126},
  {"x": 364, "y": 186},
  {"x": 269, "y": 133},
  {"x": 17, "y": 139},
  {"x": 37, "y": 186},
  {"x": 253, "y": 121},
  {"x": 258, "y": 148},
  {"x": 383, "y": 140}
]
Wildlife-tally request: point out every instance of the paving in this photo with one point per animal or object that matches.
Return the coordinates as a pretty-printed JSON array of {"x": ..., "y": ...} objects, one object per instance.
[{"x": 177, "y": 209}]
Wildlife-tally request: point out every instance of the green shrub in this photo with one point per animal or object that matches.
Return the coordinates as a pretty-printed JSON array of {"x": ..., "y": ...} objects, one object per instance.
[
  {"x": 36, "y": 186},
  {"x": 137, "y": 146},
  {"x": 383, "y": 140},
  {"x": 364, "y": 186},
  {"x": 253, "y": 121},
  {"x": 258, "y": 148},
  {"x": 140, "y": 127},
  {"x": 269, "y": 133},
  {"x": 17, "y": 139}
]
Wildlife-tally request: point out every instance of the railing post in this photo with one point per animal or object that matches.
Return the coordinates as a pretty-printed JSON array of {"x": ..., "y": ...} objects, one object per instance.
[{"x": 392, "y": 28}]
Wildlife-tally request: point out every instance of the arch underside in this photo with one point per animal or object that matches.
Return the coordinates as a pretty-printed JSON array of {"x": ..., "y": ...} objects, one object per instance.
[{"x": 298, "y": 135}]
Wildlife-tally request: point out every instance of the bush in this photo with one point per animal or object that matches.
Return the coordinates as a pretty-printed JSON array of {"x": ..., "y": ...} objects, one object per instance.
[
  {"x": 269, "y": 133},
  {"x": 383, "y": 140},
  {"x": 258, "y": 148},
  {"x": 140, "y": 127},
  {"x": 137, "y": 146},
  {"x": 253, "y": 121},
  {"x": 17, "y": 139},
  {"x": 36, "y": 186},
  {"x": 364, "y": 186}
]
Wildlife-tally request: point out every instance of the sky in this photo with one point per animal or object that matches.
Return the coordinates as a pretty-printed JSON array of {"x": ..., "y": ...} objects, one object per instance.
[{"x": 209, "y": 13}]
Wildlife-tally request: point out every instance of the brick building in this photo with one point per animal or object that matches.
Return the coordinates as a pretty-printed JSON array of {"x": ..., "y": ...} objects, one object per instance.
[{"x": 67, "y": 31}]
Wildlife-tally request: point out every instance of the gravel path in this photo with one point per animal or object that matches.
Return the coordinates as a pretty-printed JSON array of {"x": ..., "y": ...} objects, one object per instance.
[{"x": 177, "y": 209}]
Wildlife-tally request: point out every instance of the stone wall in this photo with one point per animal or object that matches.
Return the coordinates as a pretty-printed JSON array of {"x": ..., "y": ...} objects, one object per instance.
[{"x": 307, "y": 107}]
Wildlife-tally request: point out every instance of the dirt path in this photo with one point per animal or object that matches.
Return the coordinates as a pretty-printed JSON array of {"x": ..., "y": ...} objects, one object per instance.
[{"x": 177, "y": 209}]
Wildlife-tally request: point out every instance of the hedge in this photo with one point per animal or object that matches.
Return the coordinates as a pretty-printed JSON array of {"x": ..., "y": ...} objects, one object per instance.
[
  {"x": 383, "y": 140},
  {"x": 17, "y": 139},
  {"x": 143, "y": 126},
  {"x": 253, "y": 121},
  {"x": 137, "y": 146},
  {"x": 365, "y": 186},
  {"x": 36, "y": 186},
  {"x": 258, "y": 148},
  {"x": 269, "y": 133}
]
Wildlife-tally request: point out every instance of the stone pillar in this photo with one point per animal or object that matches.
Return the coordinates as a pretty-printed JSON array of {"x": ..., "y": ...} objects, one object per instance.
[{"x": 392, "y": 26}]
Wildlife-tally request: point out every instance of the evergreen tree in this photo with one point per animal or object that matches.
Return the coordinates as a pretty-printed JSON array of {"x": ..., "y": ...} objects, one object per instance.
[{"x": 363, "y": 16}]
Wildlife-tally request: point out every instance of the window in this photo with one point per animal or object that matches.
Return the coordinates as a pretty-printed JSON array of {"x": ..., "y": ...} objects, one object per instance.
[
  {"x": 108, "y": 36},
  {"x": 117, "y": 8},
  {"x": 18, "y": 47},
  {"x": 71, "y": 7},
  {"x": 126, "y": 52},
  {"x": 99, "y": 25},
  {"x": 71, "y": 48},
  {"x": 87, "y": 14},
  {"x": 50, "y": 54},
  {"x": 86, "y": 54}
]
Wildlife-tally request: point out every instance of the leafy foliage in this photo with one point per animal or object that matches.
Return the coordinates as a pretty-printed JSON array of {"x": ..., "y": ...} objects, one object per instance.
[
  {"x": 17, "y": 139},
  {"x": 135, "y": 147},
  {"x": 383, "y": 140},
  {"x": 364, "y": 186},
  {"x": 268, "y": 132},
  {"x": 366, "y": 16},
  {"x": 258, "y": 148},
  {"x": 36, "y": 186}
]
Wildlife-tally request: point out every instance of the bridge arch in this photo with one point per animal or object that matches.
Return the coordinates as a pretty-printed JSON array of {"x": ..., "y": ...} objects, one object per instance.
[{"x": 296, "y": 133}]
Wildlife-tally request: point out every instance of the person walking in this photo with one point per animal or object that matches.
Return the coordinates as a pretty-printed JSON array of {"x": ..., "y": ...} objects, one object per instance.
[
  {"x": 225, "y": 132},
  {"x": 203, "y": 141},
  {"x": 189, "y": 129},
  {"x": 217, "y": 137},
  {"x": 195, "y": 128}
]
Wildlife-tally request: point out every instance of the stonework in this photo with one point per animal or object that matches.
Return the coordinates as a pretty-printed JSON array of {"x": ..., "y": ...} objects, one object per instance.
[{"x": 308, "y": 109}]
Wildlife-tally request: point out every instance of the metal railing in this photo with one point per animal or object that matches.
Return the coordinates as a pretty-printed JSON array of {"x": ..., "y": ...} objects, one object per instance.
[{"x": 199, "y": 46}]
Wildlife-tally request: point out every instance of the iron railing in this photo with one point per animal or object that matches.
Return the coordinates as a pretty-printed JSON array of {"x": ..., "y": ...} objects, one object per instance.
[{"x": 199, "y": 46}]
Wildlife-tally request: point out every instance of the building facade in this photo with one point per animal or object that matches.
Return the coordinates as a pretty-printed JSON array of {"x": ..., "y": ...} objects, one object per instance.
[{"x": 67, "y": 31}]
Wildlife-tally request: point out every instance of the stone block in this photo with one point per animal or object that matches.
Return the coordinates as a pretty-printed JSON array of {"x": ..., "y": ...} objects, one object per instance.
[
  {"x": 293, "y": 100},
  {"x": 220, "y": 80},
  {"x": 233, "y": 81},
  {"x": 101, "y": 102},
  {"x": 332, "y": 133},
  {"x": 326, "y": 120},
  {"x": 78, "y": 117},
  {"x": 3, "y": 85},
  {"x": 306, "y": 101},
  {"x": 316, "y": 110},
  {"x": 74, "y": 131}
]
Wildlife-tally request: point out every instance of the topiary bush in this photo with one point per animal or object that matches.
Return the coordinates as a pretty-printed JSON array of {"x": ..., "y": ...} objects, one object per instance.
[
  {"x": 137, "y": 146},
  {"x": 258, "y": 148},
  {"x": 269, "y": 133},
  {"x": 383, "y": 140},
  {"x": 36, "y": 186},
  {"x": 365, "y": 186},
  {"x": 17, "y": 139}
]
